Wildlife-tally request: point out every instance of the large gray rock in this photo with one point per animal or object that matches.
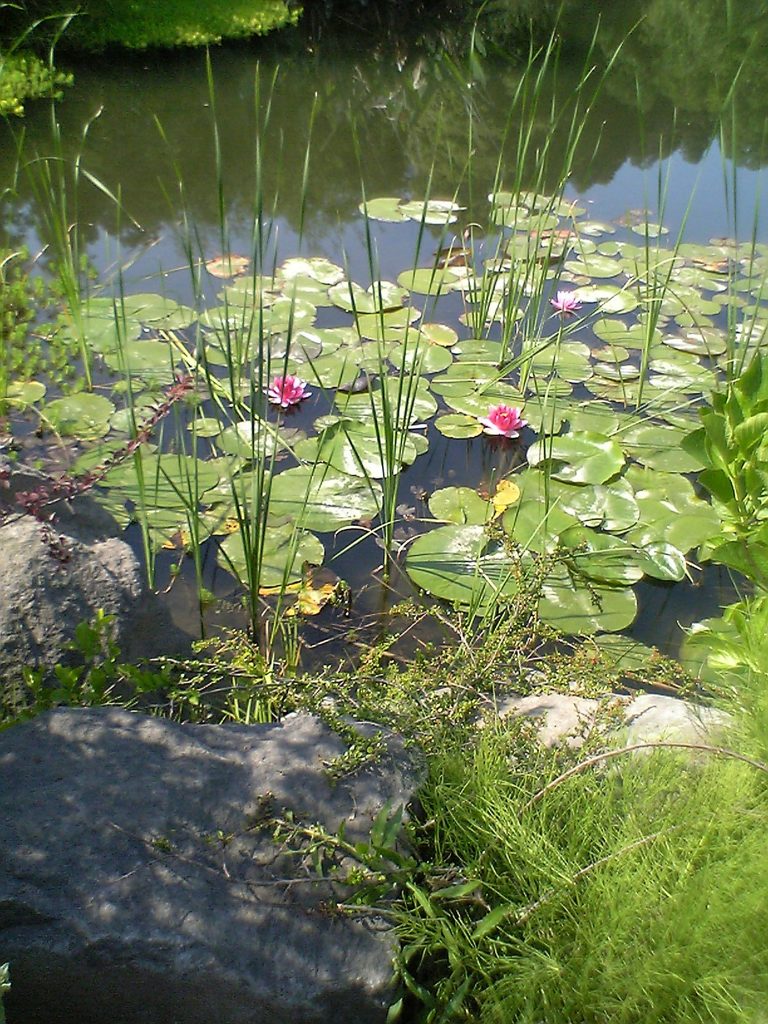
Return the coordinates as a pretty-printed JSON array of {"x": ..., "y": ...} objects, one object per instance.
[
  {"x": 136, "y": 884},
  {"x": 42, "y": 598}
]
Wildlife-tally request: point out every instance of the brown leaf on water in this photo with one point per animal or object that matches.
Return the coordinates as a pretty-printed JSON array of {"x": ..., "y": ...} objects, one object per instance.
[
  {"x": 453, "y": 256},
  {"x": 228, "y": 265},
  {"x": 507, "y": 493},
  {"x": 319, "y": 586}
]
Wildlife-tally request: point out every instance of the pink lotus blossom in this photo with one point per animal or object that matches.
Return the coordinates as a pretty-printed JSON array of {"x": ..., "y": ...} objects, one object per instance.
[
  {"x": 503, "y": 421},
  {"x": 565, "y": 303},
  {"x": 288, "y": 390}
]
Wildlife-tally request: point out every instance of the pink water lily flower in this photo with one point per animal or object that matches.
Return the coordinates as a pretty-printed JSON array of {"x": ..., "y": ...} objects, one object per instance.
[
  {"x": 288, "y": 390},
  {"x": 503, "y": 421},
  {"x": 565, "y": 303}
]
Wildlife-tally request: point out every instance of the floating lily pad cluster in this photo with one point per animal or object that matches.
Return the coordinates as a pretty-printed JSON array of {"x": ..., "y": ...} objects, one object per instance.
[{"x": 603, "y": 492}]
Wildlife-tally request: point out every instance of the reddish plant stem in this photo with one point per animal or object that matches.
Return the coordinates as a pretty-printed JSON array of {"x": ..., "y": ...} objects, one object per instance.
[{"x": 36, "y": 502}]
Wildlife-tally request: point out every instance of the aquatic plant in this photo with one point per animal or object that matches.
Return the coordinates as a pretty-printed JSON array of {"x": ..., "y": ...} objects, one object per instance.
[
  {"x": 503, "y": 421},
  {"x": 23, "y": 74},
  {"x": 597, "y": 502},
  {"x": 287, "y": 391},
  {"x": 143, "y": 24},
  {"x": 565, "y": 303}
]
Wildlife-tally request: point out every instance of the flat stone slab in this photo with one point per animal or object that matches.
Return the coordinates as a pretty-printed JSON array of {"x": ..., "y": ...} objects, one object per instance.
[
  {"x": 646, "y": 718},
  {"x": 138, "y": 883}
]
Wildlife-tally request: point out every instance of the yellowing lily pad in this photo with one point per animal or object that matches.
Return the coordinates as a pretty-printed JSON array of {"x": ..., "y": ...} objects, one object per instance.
[{"x": 227, "y": 266}]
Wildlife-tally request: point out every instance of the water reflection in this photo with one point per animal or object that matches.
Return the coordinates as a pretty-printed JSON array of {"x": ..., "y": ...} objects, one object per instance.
[{"x": 395, "y": 118}]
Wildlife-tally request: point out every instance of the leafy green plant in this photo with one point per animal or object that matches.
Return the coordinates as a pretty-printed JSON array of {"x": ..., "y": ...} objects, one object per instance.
[
  {"x": 732, "y": 445},
  {"x": 28, "y": 351},
  {"x": 178, "y": 23},
  {"x": 95, "y": 676},
  {"x": 24, "y": 75},
  {"x": 371, "y": 872}
]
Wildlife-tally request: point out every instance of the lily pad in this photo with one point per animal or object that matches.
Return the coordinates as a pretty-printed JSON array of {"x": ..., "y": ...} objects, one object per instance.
[
  {"x": 382, "y": 296},
  {"x": 594, "y": 416},
  {"x": 611, "y": 506},
  {"x": 460, "y": 505},
  {"x": 617, "y": 372},
  {"x": 658, "y": 445},
  {"x": 335, "y": 370},
  {"x": 419, "y": 354},
  {"x": 670, "y": 511},
  {"x": 583, "y": 458},
  {"x": 569, "y": 360},
  {"x": 152, "y": 361},
  {"x": 440, "y": 334},
  {"x": 428, "y": 280},
  {"x": 458, "y": 425},
  {"x": 431, "y": 211},
  {"x": 84, "y": 415},
  {"x": 535, "y": 524},
  {"x": 406, "y": 402},
  {"x": 594, "y": 266},
  {"x": 285, "y": 551},
  {"x": 631, "y": 336},
  {"x": 385, "y": 325},
  {"x": 165, "y": 489},
  {"x": 386, "y": 208},
  {"x": 479, "y": 350},
  {"x": 601, "y": 557},
  {"x": 357, "y": 449},
  {"x": 612, "y": 300},
  {"x": 315, "y": 267},
  {"x": 321, "y": 498},
  {"x": 662, "y": 561},
  {"x": 462, "y": 565},
  {"x": 254, "y": 439},
  {"x": 579, "y": 608},
  {"x": 25, "y": 392},
  {"x": 155, "y": 310},
  {"x": 705, "y": 342},
  {"x": 229, "y": 265}
]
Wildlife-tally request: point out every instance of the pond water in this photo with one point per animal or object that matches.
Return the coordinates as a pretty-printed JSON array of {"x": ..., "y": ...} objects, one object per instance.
[{"x": 172, "y": 156}]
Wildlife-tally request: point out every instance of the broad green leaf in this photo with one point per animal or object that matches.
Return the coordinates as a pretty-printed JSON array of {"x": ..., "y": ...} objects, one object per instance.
[
  {"x": 428, "y": 280},
  {"x": 662, "y": 561},
  {"x": 601, "y": 557},
  {"x": 321, "y": 498},
  {"x": 254, "y": 439},
  {"x": 461, "y": 564},
  {"x": 25, "y": 392},
  {"x": 386, "y": 208},
  {"x": 578, "y": 608},
  {"x": 357, "y": 449},
  {"x": 458, "y": 425},
  {"x": 285, "y": 550},
  {"x": 460, "y": 505},
  {"x": 658, "y": 445},
  {"x": 83, "y": 415},
  {"x": 584, "y": 458},
  {"x": 431, "y": 211}
]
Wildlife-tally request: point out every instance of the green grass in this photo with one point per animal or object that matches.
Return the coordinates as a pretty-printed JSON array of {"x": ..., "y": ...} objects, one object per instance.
[{"x": 629, "y": 894}]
